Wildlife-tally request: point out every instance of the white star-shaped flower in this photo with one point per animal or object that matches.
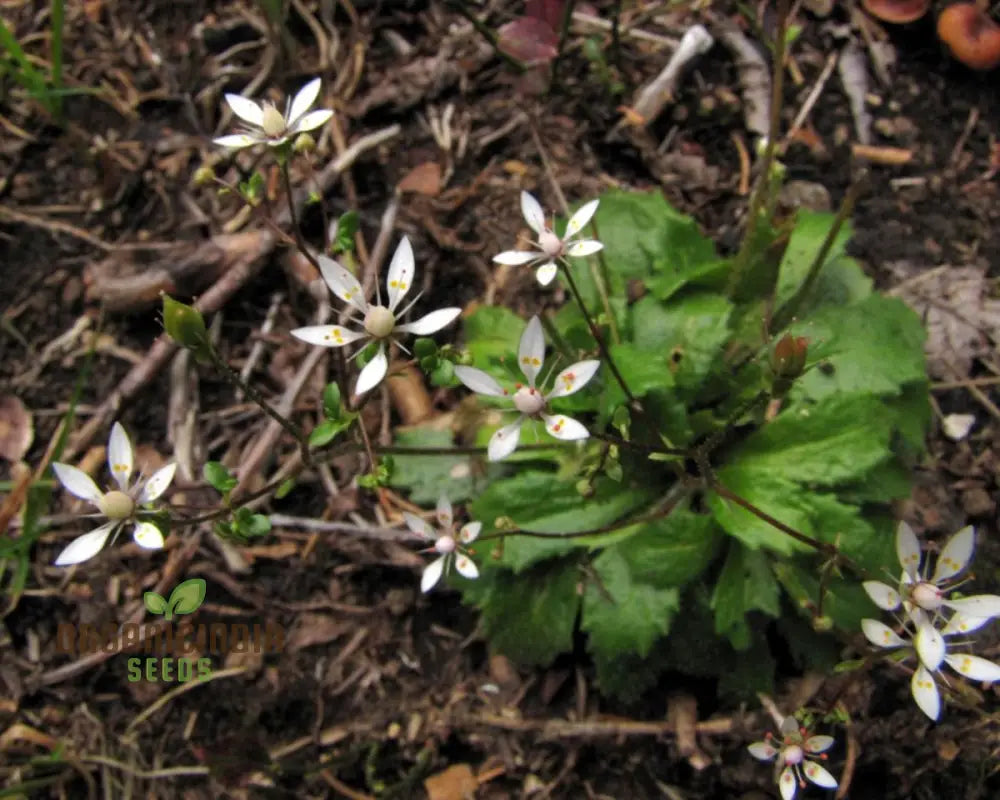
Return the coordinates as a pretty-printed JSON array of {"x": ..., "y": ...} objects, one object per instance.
[
  {"x": 378, "y": 323},
  {"x": 119, "y": 505},
  {"x": 796, "y": 755},
  {"x": 451, "y": 547},
  {"x": 529, "y": 400},
  {"x": 550, "y": 247},
  {"x": 932, "y": 651},
  {"x": 267, "y": 125},
  {"x": 916, "y": 591}
]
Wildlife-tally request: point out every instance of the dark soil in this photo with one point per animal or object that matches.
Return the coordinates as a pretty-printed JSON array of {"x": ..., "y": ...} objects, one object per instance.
[{"x": 379, "y": 686}]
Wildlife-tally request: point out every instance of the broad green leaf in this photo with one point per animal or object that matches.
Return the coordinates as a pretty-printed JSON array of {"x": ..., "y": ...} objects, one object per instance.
[
  {"x": 744, "y": 585},
  {"x": 806, "y": 241},
  {"x": 624, "y": 675},
  {"x": 186, "y": 597},
  {"x": 834, "y": 441},
  {"x": 218, "y": 476},
  {"x": 871, "y": 347},
  {"x": 491, "y": 335},
  {"x": 623, "y": 614},
  {"x": 155, "y": 603},
  {"x": 686, "y": 336},
  {"x": 529, "y": 617},
  {"x": 750, "y": 673},
  {"x": 780, "y": 497},
  {"x": 643, "y": 371},
  {"x": 546, "y": 503},
  {"x": 645, "y": 237},
  {"x": 426, "y": 476},
  {"x": 671, "y": 551},
  {"x": 328, "y": 430},
  {"x": 844, "y": 600}
]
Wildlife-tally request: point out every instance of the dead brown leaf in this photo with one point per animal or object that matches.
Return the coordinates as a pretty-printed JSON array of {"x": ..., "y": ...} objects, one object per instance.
[
  {"x": 423, "y": 179},
  {"x": 961, "y": 316},
  {"x": 16, "y": 428},
  {"x": 455, "y": 783},
  {"x": 311, "y": 629}
]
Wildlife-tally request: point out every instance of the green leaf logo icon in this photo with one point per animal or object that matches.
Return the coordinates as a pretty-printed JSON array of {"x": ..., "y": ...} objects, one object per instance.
[{"x": 186, "y": 598}]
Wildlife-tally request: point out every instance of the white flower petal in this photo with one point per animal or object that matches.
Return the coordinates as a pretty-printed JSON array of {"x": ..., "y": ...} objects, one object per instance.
[
  {"x": 372, "y": 373},
  {"x": 77, "y": 482},
  {"x": 925, "y": 692},
  {"x": 85, "y": 547},
  {"x": 157, "y": 484},
  {"x": 147, "y": 535},
  {"x": 762, "y": 751},
  {"x": 303, "y": 101},
  {"x": 504, "y": 441},
  {"x": 432, "y": 574},
  {"x": 960, "y": 623},
  {"x": 480, "y": 382},
  {"x": 955, "y": 555},
  {"x": 819, "y": 744},
  {"x": 930, "y": 645},
  {"x": 327, "y": 335},
  {"x": 582, "y": 216},
  {"x": 566, "y": 428},
  {"x": 531, "y": 350},
  {"x": 880, "y": 634},
  {"x": 469, "y": 532},
  {"x": 247, "y": 110},
  {"x": 400, "y": 275},
  {"x": 237, "y": 141},
  {"x": 466, "y": 567},
  {"x": 418, "y": 526},
  {"x": 787, "y": 783},
  {"x": 573, "y": 378},
  {"x": 957, "y": 426},
  {"x": 584, "y": 247},
  {"x": 974, "y": 668},
  {"x": 120, "y": 458},
  {"x": 431, "y": 323},
  {"x": 882, "y": 595},
  {"x": 532, "y": 211},
  {"x": 546, "y": 273},
  {"x": 819, "y": 775},
  {"x": 514, "y": 258},
  {"x": 444, "y": 512},
  {"x": 342, "y": 283},
  {"x": 312, "y": 121},
  {"x": 979, "y": 605},
  {"x": 908, "y": 550}
]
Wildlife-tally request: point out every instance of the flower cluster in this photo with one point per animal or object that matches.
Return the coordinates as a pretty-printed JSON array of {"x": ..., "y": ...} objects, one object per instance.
[
  {"x": 530, "y": 401},
  {"x": 450, "y": 547},
  {"x": 119, "y": 505},
  {"x": 930, "y": 615},
  {"x": 796, "y": 757},
  {"x": 549, "y": 247},
  {"x": 267, "y": 125},
  {"x": 378, "y": 323}
]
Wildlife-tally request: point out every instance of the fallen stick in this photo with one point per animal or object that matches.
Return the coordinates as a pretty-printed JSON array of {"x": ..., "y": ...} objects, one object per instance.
[{"x": 754, "y": 76}]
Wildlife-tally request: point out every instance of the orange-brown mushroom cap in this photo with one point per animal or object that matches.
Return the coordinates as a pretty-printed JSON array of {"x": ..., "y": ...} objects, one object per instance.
[
  {"x": 972, "y": 37},
  {"x": 897, "y": 11}
]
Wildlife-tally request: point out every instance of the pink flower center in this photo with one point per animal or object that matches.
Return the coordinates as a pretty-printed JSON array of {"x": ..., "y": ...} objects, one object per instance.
[
  {"x": 792, "y": 755},
  {"x": 927, "y": 596},
  {"x": 445, "y": 544},
  {"x": 551, "y": 244},
  {"x": 528, "y": 401}
]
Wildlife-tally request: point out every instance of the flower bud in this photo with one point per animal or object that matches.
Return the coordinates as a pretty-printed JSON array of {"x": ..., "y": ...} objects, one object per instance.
[
  {"x": 185, "y": 325},
  {"x": 789, "y": 357},
  {"x": 304, "y": 143},
  {"x": 822, "y": 624},
  {"x": 203, "y": 176}
]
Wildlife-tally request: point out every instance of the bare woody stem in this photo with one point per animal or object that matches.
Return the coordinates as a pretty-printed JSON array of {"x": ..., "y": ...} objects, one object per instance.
[
  {"x": 605, "y": 353},
  {"x": 300, "y": 243},
  {"x": 248, "y": 389}
]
